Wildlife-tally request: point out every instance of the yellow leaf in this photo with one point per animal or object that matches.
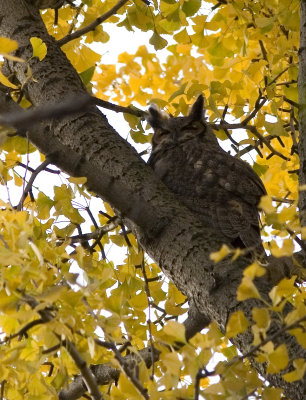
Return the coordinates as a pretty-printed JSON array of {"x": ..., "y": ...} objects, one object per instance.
[
  {"x": 78, "y": 181},
  {"x": 125, "y": 389},
  {"x": 299, "y": 371},
  {"x": 303, "y": 232},
  {"x": 272, "y": 394},
  {"x": 7, "y": 45},
  {"x": 6, "y": 82},
  {"x": 176, "y": 330},
  {"x": 247, "y": 290},
  {"x": 261, "y": 317},
  {"x": 219, "y": 255},
  {"x": 266, "y": 204},
  {"x": 172, "y": 363},
  {"x": 43, "y": 206},
  {"x": 254, "y": 270},
  {"x": 36, "y": 387},
  {"x": 285, "y": 251},
  {"x": 237, "y": 323},
  {"x": 39, "y": 48},
  {"x": 139, "y": 302},
  {"x": 182, "y": 37},
  {"x": 278, "y": 359}
]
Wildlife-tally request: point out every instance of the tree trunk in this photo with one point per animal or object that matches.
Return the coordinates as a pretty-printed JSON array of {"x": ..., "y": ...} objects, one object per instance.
[
  {"x": 302, "y": 112},
  {"x": 86, "y": 145}
]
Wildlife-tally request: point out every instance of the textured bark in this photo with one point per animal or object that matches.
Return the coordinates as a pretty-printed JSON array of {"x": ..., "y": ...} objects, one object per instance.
[
  {"x": 86, "y": 145},
  {"x": 302, "y": 111}
]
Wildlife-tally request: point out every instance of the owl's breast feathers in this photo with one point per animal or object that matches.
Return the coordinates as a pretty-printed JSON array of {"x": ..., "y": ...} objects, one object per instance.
[{"x": 222, "y": 190}]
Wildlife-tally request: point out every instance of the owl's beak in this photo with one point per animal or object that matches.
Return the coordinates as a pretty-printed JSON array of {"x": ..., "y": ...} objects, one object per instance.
[{"x": 174, "y": 137}]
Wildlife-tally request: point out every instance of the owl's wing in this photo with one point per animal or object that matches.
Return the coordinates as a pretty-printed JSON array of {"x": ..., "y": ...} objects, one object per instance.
[{"x": 230, "y": 191}]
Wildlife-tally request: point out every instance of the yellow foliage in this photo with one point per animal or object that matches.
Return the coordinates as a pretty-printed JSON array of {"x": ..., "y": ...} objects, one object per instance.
[
  {"x": 230, "y": 55},
  {"x": 237, "y": 323}
]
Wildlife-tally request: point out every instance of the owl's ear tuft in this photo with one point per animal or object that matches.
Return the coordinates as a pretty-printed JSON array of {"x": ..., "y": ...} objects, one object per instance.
[
  {"x": 155, "y": 117},
  {"x": 196, "y": 112}
]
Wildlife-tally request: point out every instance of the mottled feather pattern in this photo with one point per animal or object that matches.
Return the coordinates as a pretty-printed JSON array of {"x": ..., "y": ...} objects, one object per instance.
[{"x": 223, "y": 191}]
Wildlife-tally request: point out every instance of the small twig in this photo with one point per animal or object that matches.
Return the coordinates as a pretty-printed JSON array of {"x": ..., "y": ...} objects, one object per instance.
[
  {"x": 299, "y": 241},
  {"x": 52, "y": 171},
  {"x": 52, "y": 349},
  {"x": 201, "y": 374},
  {"x": 98, "y": 240},
  {"x": 278, "y": 76},
  {"x": 4, "y": 242},
  {"x": 286, "y": 83},
  {"x": 87, "y": 375},
  {"x": 28, "y": 188},
  {"x": 293, "y": 103},
  {"x": 263, "y": 50},
  {"x": 75, "y": 18},
  {"x": 148, "y": 294},
  {"x": 254, "y": 130},
  {"x": 279, "y": 200},
  {"x": 97, "y": 233},
  {"x": 125, "y": 235},
  {"x": 125, "y": 367},
  {"x": 258, "y": 105},
  {"x": 23, "y": 331},
  {"x": 2, "y": 389},
  {"x": 51, "y": 367},
  {"x": 93, "y": 25},
  {"x": 292, "y": 131},
  {"x": 116, "y": 108}
]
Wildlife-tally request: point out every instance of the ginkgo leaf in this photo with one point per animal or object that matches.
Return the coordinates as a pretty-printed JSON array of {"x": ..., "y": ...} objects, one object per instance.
[
  {"x": 298, "y": 372},
  {"x": 175, "y": 330},
  {"x": 247, "y": 290},
  {"x": 237, "y": 324},
  {"x": 157, "y": 41},
  {"x": 266, "y": 204},
  {"x": 6, "y": 82},
  {"x": 39, "y": 48},
  {"x": 272, "y": 393},
  {"x": 278, "y": 359},
  {"x": 261, "y": 317},
  {"x": 219, "y": 255}
]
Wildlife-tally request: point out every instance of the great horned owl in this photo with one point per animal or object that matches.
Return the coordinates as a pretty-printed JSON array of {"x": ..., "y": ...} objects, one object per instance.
[{"x": 221, "y": 190}]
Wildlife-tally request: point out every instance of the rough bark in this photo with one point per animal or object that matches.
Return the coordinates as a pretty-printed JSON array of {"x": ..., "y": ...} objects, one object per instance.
[{"x": 86, "y": 145}]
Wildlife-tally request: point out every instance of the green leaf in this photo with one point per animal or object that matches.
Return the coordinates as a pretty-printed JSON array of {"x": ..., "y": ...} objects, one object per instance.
[
  {"x": 190, "y": 7},
  {"x": 260, "y": 169},
  {"x": 87, "y": 75},
  {"x": 139, "y": 137},
  {"x": 157, "y": 41}
]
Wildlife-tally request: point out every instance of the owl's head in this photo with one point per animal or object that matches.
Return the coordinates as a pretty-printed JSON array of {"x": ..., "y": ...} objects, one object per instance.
[{"x": 176, "y": 130}]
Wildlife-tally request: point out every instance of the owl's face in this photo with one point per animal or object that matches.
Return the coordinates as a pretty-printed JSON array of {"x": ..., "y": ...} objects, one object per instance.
[{"x": 170, "y": 131}]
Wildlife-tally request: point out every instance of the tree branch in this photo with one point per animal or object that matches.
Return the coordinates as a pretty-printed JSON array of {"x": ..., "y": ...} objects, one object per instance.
[
  {"x": 28, "y": 187},
  {"x": 93, "y": 25}
]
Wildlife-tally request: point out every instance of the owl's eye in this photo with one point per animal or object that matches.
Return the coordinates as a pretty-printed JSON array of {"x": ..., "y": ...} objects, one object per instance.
[{"x": 160, "y": 135}]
